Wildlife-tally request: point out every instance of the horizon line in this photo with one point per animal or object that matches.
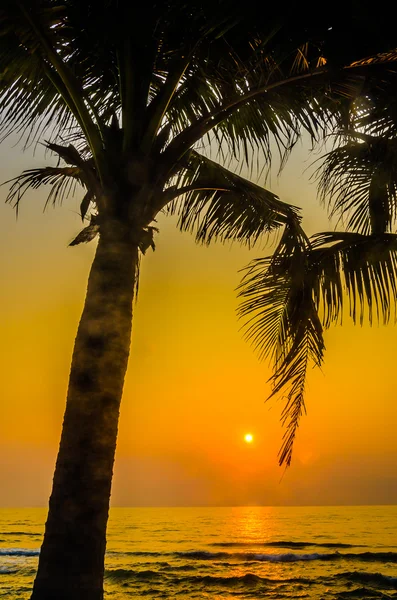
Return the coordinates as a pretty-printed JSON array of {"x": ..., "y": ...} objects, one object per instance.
[{"x": 221, "y": 506}]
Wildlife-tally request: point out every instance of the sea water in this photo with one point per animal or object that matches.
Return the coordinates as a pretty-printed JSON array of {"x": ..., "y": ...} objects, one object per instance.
[{"x": 225, "y": 553}]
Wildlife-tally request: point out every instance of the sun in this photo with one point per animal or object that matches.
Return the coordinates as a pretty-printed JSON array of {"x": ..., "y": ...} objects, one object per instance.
[{"x": 249, "y": 438}]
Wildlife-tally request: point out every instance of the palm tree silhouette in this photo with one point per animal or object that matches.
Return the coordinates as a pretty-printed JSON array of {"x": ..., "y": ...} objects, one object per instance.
[{"x": 124, "y": 93}]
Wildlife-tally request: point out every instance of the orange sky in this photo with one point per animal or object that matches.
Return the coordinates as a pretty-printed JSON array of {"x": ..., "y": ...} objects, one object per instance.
[{"x": 193, "y": 387}]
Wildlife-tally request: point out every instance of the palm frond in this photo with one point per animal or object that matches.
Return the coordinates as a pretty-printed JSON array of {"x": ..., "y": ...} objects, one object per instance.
[
  {"x": 217, "y": 204},
  {"x": 360, "y": 270},
  {"x": 290, "y": 297},
  {"x": 29, "y": 102},
  {"x": 63, "y": 182},
  {"x": 247, "y": 117},
  {"x": 376, "y": 111},
  {"x": 263, "y": 102},
  {"x": 36, "y": 65},
  {"x": 377, "y": 59},
  {"x": 359, "y": 180}
]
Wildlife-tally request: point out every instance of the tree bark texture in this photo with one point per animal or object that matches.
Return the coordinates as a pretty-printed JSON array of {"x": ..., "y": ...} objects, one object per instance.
[{"x": 71, "y": 564}]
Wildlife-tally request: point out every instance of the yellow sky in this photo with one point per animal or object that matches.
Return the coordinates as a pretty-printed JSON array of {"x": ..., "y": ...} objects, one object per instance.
[{"x": 193, "y": 387}]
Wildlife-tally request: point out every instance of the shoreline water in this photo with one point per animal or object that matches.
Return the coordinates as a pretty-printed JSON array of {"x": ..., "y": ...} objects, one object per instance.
[{"x": 223, "y": 552}]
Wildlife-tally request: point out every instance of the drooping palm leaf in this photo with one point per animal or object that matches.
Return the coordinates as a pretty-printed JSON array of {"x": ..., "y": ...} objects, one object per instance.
[
  {"x": 282, "y": 322},
  {"x": 217, "y": 204},
  {"x": 63, "y": 182},
  {"x": 290, "y": 297}
]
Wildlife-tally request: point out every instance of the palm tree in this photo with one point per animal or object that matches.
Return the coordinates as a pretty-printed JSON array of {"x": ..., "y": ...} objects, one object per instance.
[
  {"x": 292, "y": 296},
  {"x": 124, "y": 95}
]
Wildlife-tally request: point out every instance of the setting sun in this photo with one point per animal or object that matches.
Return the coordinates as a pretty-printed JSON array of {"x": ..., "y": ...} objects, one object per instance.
[{"x": 248, "y": 438}]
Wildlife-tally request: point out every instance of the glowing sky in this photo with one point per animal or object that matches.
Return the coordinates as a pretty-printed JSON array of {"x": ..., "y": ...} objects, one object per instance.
[{"x": 194, "y": 388}]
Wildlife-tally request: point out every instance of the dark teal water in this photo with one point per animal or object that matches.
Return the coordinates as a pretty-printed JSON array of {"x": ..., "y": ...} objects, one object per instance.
[{"x": 225, "y": 553}]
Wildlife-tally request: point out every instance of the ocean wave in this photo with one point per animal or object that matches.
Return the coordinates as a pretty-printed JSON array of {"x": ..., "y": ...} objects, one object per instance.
[
  {"x": 384, "y": 557},
  {"x": 361, "y": 593},
  {"x": 258, "y": 557},
  {"x": 248, "y": 579},
  {"x": 206, "y": 555},
  {"x": 122, "y": 574},
  {"x": 286, "y": 544},
  {"x": 18, "y": 552},
  {"x": 188, "y": 567},
  {"x": 384, "y": 581},
  {"x": 203, "y": 554},
  {"x": 7, "y": 570},
  {"x": 140, "y": 553},
  {"x": 17, "y": 533}
]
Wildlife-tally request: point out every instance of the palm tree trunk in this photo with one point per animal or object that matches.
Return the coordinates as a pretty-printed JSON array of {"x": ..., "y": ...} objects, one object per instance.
[{"x": 71, "y": 565}]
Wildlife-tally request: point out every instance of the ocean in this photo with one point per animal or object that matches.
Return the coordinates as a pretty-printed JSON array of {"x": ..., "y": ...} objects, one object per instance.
[{"x": 243, "y": 552}]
